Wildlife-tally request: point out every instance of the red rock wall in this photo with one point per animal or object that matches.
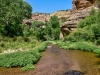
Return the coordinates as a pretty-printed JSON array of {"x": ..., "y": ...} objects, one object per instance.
[{"x": 82, "y": 4}]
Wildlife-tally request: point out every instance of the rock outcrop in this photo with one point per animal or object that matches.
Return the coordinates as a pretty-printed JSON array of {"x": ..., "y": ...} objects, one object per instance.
[
  {"x": 82, "y": 4},
  {"x": 81, "y": 9},
  {"x": 44, "y": 17},
  {"x": 40, "y": 17},
  {"x": 61, "y": 14}
]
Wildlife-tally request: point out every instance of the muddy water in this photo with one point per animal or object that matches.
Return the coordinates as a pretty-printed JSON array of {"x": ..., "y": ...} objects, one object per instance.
[{"x": 55, "y": 61}]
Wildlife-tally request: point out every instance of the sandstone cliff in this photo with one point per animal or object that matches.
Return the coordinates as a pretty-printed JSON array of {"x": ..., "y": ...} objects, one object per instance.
[
  {"x": 44, "y": 17},
  {"x": 81, "y": 9}
]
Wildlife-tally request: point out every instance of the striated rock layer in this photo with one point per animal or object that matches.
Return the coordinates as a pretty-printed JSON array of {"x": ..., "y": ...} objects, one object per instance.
[
  {"x": 81, "y": 9},
  {"x": 40, "y": 17},
  {"x": 44, "y": 17}
]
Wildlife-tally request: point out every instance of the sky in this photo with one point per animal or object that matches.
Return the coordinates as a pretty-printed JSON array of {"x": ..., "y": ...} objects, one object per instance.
[{"x": 49, "y": 6}]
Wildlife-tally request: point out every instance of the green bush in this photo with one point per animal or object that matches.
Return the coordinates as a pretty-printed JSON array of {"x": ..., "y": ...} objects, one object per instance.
[
  {"x": 84, "y": 46},
  {"x": 89, "y": 20},
  {"x": 52, "y": 29},
  {"x": 26, "y": 39},
  {"x": 97, "y": 51},
  {"x": 80, "y": 34},
  {"x": 63, "y": 19},
  {"x": 95, "y": 30},
  {"x": 19, "y": 58},
  {"x": 28, "y": 67},
  {"x": 26, "y": 31},
  {"x": 97, "y": 42},
  {"x": 41, "y": 47},
  {"x": 22, "y": 58},
  {"x": 37, "y": 27}
]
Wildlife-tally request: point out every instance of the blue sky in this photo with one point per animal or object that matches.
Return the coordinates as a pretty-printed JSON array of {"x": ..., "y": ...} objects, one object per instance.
[{"x": 49, "y": 6}]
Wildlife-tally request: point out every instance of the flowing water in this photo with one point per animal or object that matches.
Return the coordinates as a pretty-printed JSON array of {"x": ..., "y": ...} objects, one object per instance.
[{"x": 56, "y": 61}]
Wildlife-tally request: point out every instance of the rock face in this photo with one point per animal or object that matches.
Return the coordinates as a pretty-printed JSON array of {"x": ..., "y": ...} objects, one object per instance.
[
  {"x": 44, "y": 17},
  {"x": 61, "y": 14},
  {"x": 81, "y": 9},
  {"x": 40, "y": 17},
  {"x": 82, "y": 4},
  {"x": 37, "y": 17}
]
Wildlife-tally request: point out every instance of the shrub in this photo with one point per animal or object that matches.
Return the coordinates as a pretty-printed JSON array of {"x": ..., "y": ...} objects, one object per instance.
[
  {"x": 80, "y": 34},
  {"x": 37, "y": 26},
  {"x": 95, "y": 30},
  {"x": 19, "y": 58},
  {"x": 26, "y": 39},
  {"x": 97, "y": 42},
  {"x": 63, "y": 20},
  {"x": 2, "y": 44},
  {"x": 97, "y": 51},
  {"x": 91, "y": 19},
  {"x": 28, "y": 67},
  {"x": 22, "y": 58},
  {"x": 26, "y": 31},
  {"x": 52, "y": 29},
  {"x": 85, "y": 46},
  {"x": 41, "y": 47}
]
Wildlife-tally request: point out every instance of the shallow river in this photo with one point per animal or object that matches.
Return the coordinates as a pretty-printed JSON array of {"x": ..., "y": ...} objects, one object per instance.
[{"x": 56, "y": 61}]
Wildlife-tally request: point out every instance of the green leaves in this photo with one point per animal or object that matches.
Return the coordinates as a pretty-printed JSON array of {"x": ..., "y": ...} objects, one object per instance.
[
  {"x": 52, "y": 29},
  {"x": 38, "y": 28},
  {"x": 24, "y": 59},
  {"x": 90, "y": 28},
  {"x": 18, "y": 59},
  {"x": 28, "y": 67},
  {"x": 12, "y": 14},
  {"x": 81, "y": 45}
]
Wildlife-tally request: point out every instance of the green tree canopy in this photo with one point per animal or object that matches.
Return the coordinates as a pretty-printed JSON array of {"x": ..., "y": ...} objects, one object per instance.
[
  {"x": 52, "y": 29},
  {"x": 12, "y": 13}
]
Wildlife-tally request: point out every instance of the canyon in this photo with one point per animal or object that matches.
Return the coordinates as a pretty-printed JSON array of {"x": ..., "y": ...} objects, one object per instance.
[{"x": 79, "y": 11}]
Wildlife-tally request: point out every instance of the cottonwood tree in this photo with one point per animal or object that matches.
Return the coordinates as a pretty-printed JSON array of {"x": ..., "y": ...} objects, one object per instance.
[{"x": 12, "y": 12}]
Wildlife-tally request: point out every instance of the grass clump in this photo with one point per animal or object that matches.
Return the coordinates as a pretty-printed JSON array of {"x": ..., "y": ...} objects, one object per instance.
[
  {"x": 81, "y": 45},
  {"x": 41, "y": 47},
  {"x": 16, "y": 43},
  {"x": 97, "y": 51},
  {"x": 28, "y": 67}
]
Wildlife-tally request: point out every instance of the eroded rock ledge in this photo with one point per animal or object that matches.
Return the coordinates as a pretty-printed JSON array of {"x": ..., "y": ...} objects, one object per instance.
[{"x": 81, "y": 9}]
